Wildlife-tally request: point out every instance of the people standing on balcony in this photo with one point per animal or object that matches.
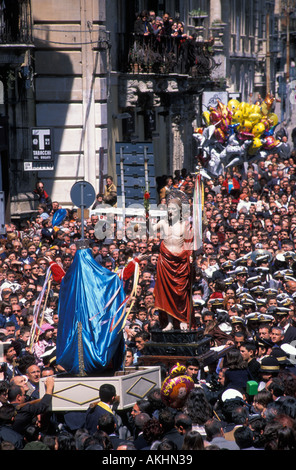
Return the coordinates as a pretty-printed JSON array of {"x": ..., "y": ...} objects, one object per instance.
[
  {"x": 181, "y": 46},
  {"x": 152, "y": 16},
  {"x": 142, "y": 25},
  {"x": 157, "y": 26},
  {"x": 167, "y": 24},
  {"x": 167, "y": 32}
]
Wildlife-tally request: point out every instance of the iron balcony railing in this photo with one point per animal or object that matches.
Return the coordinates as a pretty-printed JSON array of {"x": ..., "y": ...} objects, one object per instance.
[
  {"x": 140, "y": 54},
  {"x": 15, "y": 22}
]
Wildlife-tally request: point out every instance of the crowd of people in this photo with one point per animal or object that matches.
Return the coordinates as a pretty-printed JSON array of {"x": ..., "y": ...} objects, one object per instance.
[
  {"x": 163, "y": 40},
  {"x": 148, "y": 23},
  {"x": 243, "y": 303}
]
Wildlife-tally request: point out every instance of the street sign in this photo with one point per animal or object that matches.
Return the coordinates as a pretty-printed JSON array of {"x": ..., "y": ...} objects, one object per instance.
[
  {"x": 41, "y": 144},
  {"x": 82, "y": 194},
  {"x": 2, "y": 213},
  {"x": 38, "y": 166}
]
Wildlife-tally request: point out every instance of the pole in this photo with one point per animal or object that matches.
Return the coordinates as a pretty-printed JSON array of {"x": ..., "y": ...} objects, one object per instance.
[
  {"x": 288, "y": 42},
  {"x": 147, "y": 191},
  {"x": 82, "y": 211},
  {"x": 122, "y": 186},
  {"x": 267, "y": 51},
  {"x": 80, "y": 350},
  {"x": 197, "y": 229}
]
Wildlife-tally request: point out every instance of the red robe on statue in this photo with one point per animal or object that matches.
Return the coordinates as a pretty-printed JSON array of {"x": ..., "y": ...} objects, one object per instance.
[{"x": 172, "y": 288}]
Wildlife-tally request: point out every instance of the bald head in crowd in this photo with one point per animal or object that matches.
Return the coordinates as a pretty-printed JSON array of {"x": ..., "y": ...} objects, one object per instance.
[{"x": 291, "y": 287}]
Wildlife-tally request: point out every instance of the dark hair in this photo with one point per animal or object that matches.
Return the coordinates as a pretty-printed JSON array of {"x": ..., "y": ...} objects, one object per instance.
[
  {"x": 289, "y": 407},
  {"x": 250, "y": 346},
  {"x": 289, "y": 381},
  {"x": 263, "y": 397},
  {"x": 199, "y": 408},
  {"x": 13, "y": 392},
  {"x": 278, "y": 437},
  {"x": 234, "y": 360},
  {"x": 144, "y": 405},
  {"x": 257, "y": 425},
  {"x": 101, "y": 438},
  {"x": 193, "y": 441},
  {"x": 152, "y": 430},
  {"x": 244, "y": 437},
  {"x": 144, "y": 335},
  {"x": 213, "y": 428},
  {"x": 66, "y": 441},
  {"x": 4, "y": 387},
  {"x": 167, "y": 444},
  {"x": 4, "y": 305},
  {"x": 155, "y": 400},
  {"x": 141, "y": 419},
  {"x": 192, "y": 361},
  {"x": 7, "y": 413},
  {"x": 240, "y": 415},
  {"x": 31, "y": 433},
  {"x": 107, "y": 392},
  {"x": 166, "y": 419},
  {"x": 184, "y": 420},
  {"x": 276, "y": 387},
  {"x": 49, "y": 441},
  {"x": 273, "y": 410},
  {"x": 107, "y": 423}
]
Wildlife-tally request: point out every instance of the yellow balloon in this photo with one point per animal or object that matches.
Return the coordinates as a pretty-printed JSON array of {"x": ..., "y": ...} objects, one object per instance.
[
  {"x": 255, "y": 146},
  {"x": 246, "y": 126},
  {"x": 233, "y": 104},
  {"x": 206, "y": 117},
  {"x": 255, "y": 117},
  {"x": 258, "y": 129},
  {"x": 272, "y": 117},
  {"x": 242, "y": 106},
  {"x": 264, "y": 109},
  {"x": 237, "y": 117},
  {"x": 256, "y": 109}
]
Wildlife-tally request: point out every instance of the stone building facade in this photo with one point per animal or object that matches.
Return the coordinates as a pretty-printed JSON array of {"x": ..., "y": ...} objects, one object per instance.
[{"x": 67, "y": 66}]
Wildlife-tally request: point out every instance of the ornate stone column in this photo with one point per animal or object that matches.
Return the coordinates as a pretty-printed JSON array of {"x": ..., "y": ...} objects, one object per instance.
[
  {"x": 215, "y": 11},
  {"x": 217, "y": 28}
]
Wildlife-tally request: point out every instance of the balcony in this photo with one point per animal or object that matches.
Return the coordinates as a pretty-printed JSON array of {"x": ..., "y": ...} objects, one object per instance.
[
  {"x": 15, "y": 23},
  {"x": 138, "y": 54}
]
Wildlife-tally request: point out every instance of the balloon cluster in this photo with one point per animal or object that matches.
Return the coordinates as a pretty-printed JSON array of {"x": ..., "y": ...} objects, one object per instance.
[{"x": 238, "y": 132}]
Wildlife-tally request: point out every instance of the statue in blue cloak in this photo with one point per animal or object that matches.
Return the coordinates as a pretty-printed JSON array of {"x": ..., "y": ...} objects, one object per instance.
[{"x": 91, "y": 318}]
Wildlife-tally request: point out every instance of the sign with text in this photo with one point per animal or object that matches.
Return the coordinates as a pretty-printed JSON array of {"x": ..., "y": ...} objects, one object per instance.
[
  {"x": 38, "y": 166},
  {"x": 42, "y": 144}
]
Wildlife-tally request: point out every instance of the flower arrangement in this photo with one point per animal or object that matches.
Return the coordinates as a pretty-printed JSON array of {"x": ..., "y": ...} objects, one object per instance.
[{"x": 197, "y": 13}]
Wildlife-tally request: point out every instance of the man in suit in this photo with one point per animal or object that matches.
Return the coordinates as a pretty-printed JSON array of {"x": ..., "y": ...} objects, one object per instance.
[
  {"x": 140, "y": 420},
  {"x": 167, "y": 421},
  {"x": 215, "y": 435},
  {"x": 284, "y": 321},
  {"x": 107, "y": 394},
  {"x": 10, "y": 356},
  {"x": 107, "y": 423}
]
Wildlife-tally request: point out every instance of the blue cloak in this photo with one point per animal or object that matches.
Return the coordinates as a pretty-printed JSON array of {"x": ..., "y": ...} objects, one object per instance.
[{"x": 85, "y": 292}]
